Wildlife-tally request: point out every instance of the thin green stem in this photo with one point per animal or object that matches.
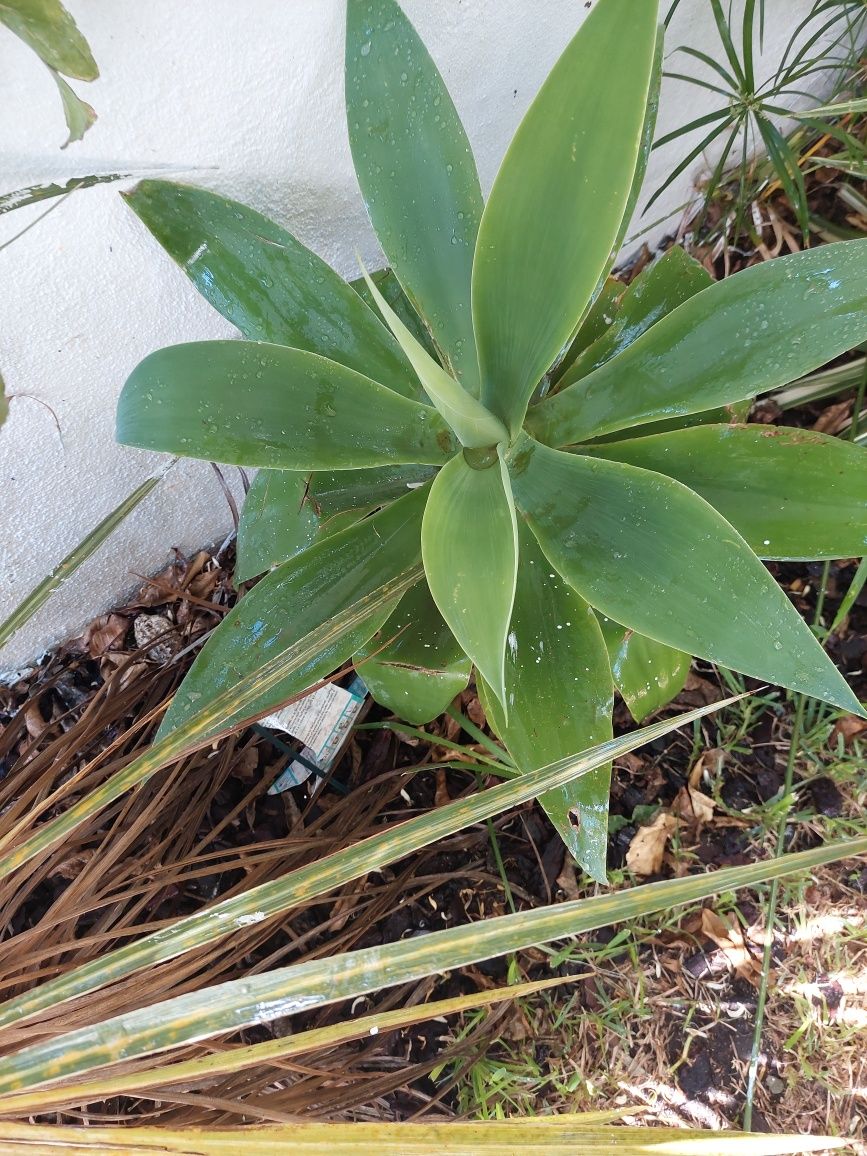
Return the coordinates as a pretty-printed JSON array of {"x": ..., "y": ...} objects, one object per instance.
[
  {"x": 479, "y": 735},
  {"x": 501, "y": 866}
]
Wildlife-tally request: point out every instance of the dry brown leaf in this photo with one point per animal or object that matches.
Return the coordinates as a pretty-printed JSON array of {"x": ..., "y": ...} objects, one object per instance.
[
  {"x": 693, "y": 806},
  {"x": 699, "y": 691},
  {"x": 711, "y": 760},
  {"x": 473, "y": 709},
  {"x": 34, "y": 721},
  {"x": 849, "y": 727},
  {"x": 567, "y": 880},
  {"x": 647, "y": 848},
  {"x": 104, "y": 634},
  {"x": 441, "y": 794},
  {"x": 833, "y": 418},
  {"x": 73, "y": 865},
  {"x": 729, "y": 939}
]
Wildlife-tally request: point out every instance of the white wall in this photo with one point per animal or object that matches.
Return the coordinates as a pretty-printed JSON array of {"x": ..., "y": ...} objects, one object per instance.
[{"x": 245, "y": 98}]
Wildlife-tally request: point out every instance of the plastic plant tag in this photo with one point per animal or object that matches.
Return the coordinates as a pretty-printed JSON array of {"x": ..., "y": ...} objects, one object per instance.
[{"x": 322, "y": 721}]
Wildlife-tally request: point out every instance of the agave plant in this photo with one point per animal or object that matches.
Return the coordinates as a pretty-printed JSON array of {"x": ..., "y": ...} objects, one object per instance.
[{"x": 553, "y": 459}]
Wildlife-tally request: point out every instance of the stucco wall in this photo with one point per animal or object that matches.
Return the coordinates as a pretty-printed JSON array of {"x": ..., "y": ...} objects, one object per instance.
[{"x": 245, "y": 98}]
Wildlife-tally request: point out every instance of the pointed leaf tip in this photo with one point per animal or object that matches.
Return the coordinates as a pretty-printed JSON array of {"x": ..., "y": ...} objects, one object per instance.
[{"x": 474, "y": 426}]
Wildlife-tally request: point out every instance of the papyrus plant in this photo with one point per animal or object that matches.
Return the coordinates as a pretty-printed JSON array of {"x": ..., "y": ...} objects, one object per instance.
[{"x": 559, "y": 453}]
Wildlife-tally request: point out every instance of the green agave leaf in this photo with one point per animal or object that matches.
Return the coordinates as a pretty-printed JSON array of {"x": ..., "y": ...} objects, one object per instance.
[
  {"x": 475, "y": 426},
  {"x": 248, "y": 403},
  {"x": 645, "y": 147},
  {"x": 791, "y": 493},
  {"x": 648, "y": 552},
  {"x": 647, "y": 673},
  {"x": 279, "y": 521},
  {"x": 317, "y": 878},
  {"x": 392, "y": 290},
  {"x": 416, "y": 171},
  {"x": 655, "y": 292},
  {"x": 549, "y": 1135},
  {"x": 338, "y": 491},
  {"x": 560, "y": 696},
  {"x": 47, "y": 28},
  {"x": 418, "y": 674},
  {"x": 258, "y": 999},
  {"x": 593, "y": 325},
  {"x": 733, "y": 414},
  {"x": 744, "y": 335},
  {"x": 469, "y": 543},
  {"x": 269, "y": 285},
  {"x": 298, "y": 596},
  {"x": 555, "y": 211}
]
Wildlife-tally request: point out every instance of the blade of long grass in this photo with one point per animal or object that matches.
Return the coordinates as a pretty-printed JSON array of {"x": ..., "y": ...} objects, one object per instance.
[
  {"x": 855, "y": 588},
  {"x": 825, "y": 383},
  {"x": 279, "y": 895},
  {"x": 747, "y": 40},
  {"x": 689, "y": 158},
  {"x": 201, "y": 729},
  {"x": 226, "y": 1063},
  {"x": 546, "y": 1135},
  {"x": 841, "y": 108},
  {"x": 61, "y": 573},
  {"x": 692, "y": 126},
  {"x": 33, "y": 194},
  {"x": 726, "y": 39},
  {"x": 259, "y": 999}
]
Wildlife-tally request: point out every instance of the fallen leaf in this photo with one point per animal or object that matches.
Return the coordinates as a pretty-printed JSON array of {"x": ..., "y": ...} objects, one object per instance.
[
  {"x": 693, "y": 806},
  {"x": 34, "y": 721},
  {"x": 833, "y": 418},
  {"x": 567, "y": 880},
  {"x": 849, "y": 727},
  {"x": 710, "y": 761},
  {"x": 729, "y": 939},
  {"x": 441, "y": 794},
  {"x": 647, "y": 848},
  {"x": 104, "y": 634}
]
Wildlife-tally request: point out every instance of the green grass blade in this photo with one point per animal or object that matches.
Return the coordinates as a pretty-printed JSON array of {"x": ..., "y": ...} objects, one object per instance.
[
  {"x": 238, "y": 1059},
  {"x": 61, "y": 573},
  {"x": 319, "y": 878},
  {"x": 259, "y": 999},
  {"x": 857, "y": 585},
  {"x": 545, "y": 1135}
]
